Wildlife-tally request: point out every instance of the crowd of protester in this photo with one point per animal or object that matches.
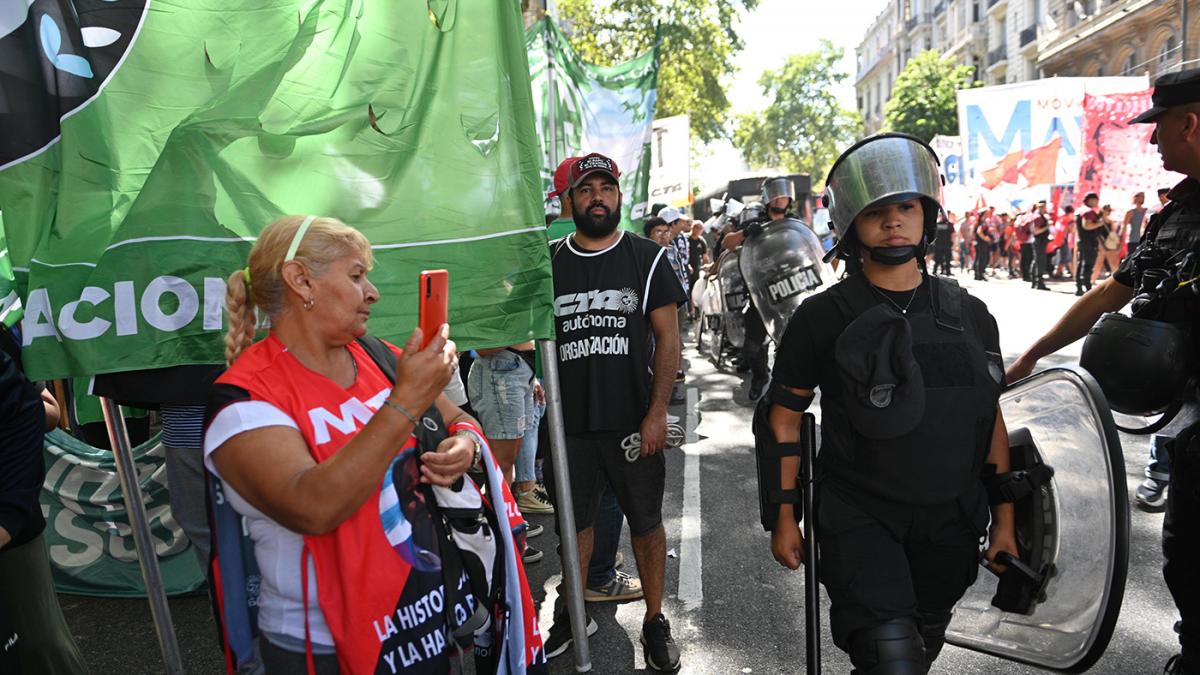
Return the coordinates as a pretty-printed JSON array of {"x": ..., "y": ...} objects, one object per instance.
[{"x": 1036, "y": 244}]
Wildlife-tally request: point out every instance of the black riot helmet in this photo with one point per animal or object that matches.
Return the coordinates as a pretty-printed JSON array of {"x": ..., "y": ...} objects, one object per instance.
[
  {"x": 1142, "y": 365},
  {"x": 879, "y": 170}
]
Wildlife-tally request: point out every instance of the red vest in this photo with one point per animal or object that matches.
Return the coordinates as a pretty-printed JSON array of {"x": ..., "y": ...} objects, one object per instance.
[{"x": 380, "y": 592}]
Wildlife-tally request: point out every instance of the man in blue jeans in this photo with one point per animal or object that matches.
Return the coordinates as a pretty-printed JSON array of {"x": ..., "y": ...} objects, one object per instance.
[{"x": 1151, "y": 495}]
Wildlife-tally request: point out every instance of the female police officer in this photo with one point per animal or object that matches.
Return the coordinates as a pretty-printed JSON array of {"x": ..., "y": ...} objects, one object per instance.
[{"x": 909, "y": 372}]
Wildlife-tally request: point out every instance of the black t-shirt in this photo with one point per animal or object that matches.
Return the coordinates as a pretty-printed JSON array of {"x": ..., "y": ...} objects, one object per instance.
[
  {"x": 602, "y": 305},
  {"x": 805, "y": 356},
  {"x": 1089, "y": 237},
  {"x": 1040, "y": 223},
  {"x": 909, "y": 472}
]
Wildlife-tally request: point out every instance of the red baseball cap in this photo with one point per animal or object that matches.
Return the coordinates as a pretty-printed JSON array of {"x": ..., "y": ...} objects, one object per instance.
[
  {"x": 560, "y": 177},
  {"x": 589, "y": 164}
]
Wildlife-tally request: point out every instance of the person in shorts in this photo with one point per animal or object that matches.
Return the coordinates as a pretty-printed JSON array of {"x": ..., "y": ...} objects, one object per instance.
[{"x": 615, "y": 306}]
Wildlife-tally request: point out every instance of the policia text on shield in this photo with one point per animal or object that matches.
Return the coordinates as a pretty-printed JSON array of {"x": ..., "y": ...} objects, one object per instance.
[
  {"x": 1146, "y": 362},
  {"x": 910, "y": 379}
]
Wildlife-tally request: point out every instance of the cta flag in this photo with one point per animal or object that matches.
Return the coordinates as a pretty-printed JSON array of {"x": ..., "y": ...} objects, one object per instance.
[
  {"x": 144, "y": 144},
  {"x": 609, "y": 110}
]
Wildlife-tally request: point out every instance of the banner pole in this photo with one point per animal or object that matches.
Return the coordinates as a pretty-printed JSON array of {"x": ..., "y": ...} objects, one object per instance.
[
  {"x": 572, "y": 581},
  {"x": 551, "y": 92},
  {"x": 131, "y": 492}
]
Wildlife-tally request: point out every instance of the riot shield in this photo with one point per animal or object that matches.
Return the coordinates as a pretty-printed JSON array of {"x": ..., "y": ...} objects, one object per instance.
[
  {"x": 782, "y": 265},
  {"x": 734, "y": 297},
  {"x": 1072, "y": 532}
]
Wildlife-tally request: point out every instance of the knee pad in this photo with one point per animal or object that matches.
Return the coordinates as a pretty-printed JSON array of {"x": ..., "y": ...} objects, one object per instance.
[
  {"x": 891, "y": 648},
  {"x": 933, "y": 632}
]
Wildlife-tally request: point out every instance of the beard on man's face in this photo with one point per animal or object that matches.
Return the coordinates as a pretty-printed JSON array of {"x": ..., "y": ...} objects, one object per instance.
[{"x": 597, "y": 226}]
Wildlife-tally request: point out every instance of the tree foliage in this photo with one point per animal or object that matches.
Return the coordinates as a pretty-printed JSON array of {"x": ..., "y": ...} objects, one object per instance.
[
  {"x": 804, "y": 126},
  {"x": 698, "y": 46},
  {"x": 924, "y": 101}
]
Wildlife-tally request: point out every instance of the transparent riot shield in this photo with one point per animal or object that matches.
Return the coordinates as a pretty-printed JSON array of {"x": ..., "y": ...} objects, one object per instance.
[
  {"x": 1072, "y": 532},
  {"x": 782, "y": 265},
  {"x": 734, "y": 296}
]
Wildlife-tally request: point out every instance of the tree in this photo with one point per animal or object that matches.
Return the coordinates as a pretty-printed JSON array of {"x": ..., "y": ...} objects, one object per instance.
[
  {"x": 924, "y": 100},
  {"x": 804, "y": 126},
  {"x": 698, "y": 46}
]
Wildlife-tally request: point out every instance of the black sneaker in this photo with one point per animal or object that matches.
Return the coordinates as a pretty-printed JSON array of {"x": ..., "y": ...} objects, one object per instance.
[
  {"x": 534, "y": 530},
  {"x": 559, "y": 639},
  {"x": 532, "y": 555},
  {"x": 658, "y": 647}
]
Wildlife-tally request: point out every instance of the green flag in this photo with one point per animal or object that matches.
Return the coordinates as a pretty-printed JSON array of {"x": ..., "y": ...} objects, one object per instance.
[
  {"x": 597, "y": 109},
  {"x": 152, "y": 142}
]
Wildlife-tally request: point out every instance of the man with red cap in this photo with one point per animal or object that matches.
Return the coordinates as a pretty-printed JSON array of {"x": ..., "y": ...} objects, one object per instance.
[{"x": 618, "y": 347}]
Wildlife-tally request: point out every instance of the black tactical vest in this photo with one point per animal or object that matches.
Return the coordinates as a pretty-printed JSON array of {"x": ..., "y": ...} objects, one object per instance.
[
  {"x": 1174, "y": 236},
  {"x": 940, "y": 460}
]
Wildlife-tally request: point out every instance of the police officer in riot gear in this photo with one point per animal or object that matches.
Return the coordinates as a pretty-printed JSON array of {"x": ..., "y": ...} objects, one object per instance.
[
  {"x": 1159, "y": 277},
  {"x": 778, "y": 195},
  {"x": 910, "y": 377}
]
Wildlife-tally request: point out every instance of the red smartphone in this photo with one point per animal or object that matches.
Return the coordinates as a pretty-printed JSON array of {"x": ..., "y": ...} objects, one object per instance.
[{"x": 435, "y": 300}]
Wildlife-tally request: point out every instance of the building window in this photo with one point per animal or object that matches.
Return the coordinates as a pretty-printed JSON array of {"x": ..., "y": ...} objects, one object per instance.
[
  {"x": 974, "y": 11},
  {"x": 1166, "y": 54},
  {"x": 1130, "y": 64}
]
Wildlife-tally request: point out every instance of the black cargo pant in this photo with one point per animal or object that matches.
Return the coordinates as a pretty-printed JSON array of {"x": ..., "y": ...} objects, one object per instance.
[
  {"x": 754, "y": 349},
  {"x": 1181, "y": 540},
  {"x": 942, "y": 255},
  {"x": 1026, "y": 260},
  {"x": 982, "y": 253},
  {"x": 882, "y": 560},
  {"x": 1087, "y": 262},
  {"x": 1041, "y": 262}
]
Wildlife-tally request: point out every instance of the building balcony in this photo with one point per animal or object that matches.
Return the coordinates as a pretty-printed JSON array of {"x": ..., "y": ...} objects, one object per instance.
[
  {"x": 1029, "y": 37},
  {"x": 1061, "y": 45},
  {"x": 997, "y": 56},
  {"x": 996, "y": 6},
  {"x": 916, "y": 20}
]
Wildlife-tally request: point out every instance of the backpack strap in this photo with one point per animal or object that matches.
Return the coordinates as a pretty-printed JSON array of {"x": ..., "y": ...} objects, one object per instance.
[
  {"x": 947, "y": 297},
  {"x": 381, "y": 354}
]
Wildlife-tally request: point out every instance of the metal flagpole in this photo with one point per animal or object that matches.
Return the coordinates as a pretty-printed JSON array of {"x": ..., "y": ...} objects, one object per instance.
[
  {"x": 131, "y": 491},
  {"x": 573, "y": 583},
  {"x": 569, "y": 550},
  {"x": 572, "y": 580},
  {"x": 551, "y": 92}
]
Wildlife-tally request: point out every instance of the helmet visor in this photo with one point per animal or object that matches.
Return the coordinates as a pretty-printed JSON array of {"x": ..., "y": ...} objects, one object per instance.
[{"x": 880, "y": 169}]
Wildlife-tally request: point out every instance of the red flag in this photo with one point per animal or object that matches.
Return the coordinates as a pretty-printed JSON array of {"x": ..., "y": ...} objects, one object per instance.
[
  {"x": 1004, "y": 172},
  {"x": 1041, "y": 164}
]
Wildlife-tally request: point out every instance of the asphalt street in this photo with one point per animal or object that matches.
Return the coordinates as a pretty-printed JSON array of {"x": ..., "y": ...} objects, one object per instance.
[{"x": 732, "y": 608}]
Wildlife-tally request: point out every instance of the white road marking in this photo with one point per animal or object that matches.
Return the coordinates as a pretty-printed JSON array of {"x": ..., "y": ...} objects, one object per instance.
[{"x": 691, "y": 556}]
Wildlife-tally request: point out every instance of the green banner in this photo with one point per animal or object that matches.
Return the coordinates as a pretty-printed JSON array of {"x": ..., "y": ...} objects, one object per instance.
[
  {"x": 154, "y": 140},
  {"x": 87, "y": 528},
  {"x": 597, "y": 109}
]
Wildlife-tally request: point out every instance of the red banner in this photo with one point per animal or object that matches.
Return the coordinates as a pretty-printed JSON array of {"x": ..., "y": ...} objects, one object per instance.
[{"x": 1118, "y": 159}]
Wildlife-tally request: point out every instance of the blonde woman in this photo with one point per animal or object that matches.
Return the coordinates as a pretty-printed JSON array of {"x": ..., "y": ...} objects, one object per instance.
[{"x": 317, "y": 450}]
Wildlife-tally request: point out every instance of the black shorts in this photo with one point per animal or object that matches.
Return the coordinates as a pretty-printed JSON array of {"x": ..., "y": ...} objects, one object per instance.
[{"x": 595, "y": 462}]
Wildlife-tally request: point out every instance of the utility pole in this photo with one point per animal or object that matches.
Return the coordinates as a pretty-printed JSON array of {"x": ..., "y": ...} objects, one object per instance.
[{"x": 1183, "y": 33}]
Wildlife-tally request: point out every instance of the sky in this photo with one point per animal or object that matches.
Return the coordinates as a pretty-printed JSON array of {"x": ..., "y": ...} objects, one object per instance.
[{"x": 775, "y": 30}]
